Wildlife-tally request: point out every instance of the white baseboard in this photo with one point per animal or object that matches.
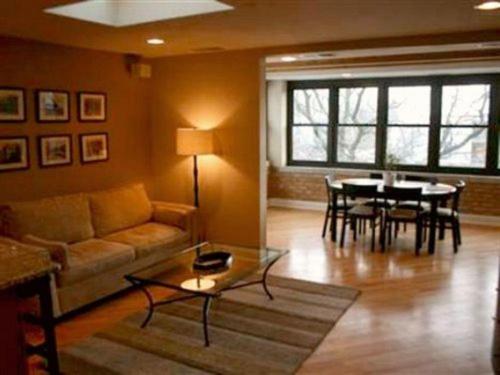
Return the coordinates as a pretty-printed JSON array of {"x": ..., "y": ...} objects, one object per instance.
[{"x": 321, "y": 206}]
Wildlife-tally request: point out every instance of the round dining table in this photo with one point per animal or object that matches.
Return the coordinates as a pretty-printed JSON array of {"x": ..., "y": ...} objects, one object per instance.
[{"x": 432, "y": 193}]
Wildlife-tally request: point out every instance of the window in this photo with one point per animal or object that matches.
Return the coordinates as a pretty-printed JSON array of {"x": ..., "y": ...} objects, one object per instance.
[
  {"x": 357, "y": 119},
  {"x": 310, "y": 125},
  {"x": 409, "y": 117},
  {"x": 464, "y": 125},
  {"x": 435, "y": 124}
]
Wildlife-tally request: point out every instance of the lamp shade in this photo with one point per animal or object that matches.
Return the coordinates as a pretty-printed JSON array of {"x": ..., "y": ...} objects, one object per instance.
[{"x": 194, "y": 142}]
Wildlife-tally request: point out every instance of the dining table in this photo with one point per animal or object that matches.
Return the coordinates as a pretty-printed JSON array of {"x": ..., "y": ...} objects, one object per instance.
[{"x": 433, "y": 193}]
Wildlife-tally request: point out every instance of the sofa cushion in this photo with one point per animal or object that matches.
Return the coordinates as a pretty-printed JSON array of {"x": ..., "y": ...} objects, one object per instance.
[
  {"x": 64, "y": 218},
  {"x": 150, "y": 237},
  {"x": 117, "y": 209},
  {"x": 92, "y": 257}
]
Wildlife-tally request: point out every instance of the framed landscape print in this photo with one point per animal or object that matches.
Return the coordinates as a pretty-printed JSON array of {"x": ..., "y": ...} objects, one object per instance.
[
  {"x": 54, "y": 150},
  {"x": 91, "y": 106},
  {"x": 12, "y": 104},
  {"x": 52, "y": 106},
  {"x": 14, "y": 153},
  {"x": 94, "y": 147}
]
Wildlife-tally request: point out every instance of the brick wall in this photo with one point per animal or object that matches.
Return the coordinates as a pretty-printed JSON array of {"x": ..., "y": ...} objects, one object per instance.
[{"x": 481, "y": 195}]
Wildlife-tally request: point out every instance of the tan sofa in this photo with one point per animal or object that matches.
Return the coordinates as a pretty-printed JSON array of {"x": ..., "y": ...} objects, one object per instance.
[{"x": 99, "y": 237}]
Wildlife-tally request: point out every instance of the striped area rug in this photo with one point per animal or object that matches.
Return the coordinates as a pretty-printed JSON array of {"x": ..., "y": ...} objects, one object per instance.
[{"x": 249, "y": 334}]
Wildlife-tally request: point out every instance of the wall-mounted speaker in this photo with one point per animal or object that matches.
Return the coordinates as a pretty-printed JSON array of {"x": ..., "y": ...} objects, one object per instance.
[{"x": 141, "y": 70}]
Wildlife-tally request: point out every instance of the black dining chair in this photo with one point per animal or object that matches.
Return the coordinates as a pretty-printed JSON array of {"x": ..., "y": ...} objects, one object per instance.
[
  {"x": 398, "y": 215},
  {"x": 329, "y": 209},
  {"x": 376, "y": 176},
  {"x": 449, "y": 217},
  {"x": 360, "y": 212}
]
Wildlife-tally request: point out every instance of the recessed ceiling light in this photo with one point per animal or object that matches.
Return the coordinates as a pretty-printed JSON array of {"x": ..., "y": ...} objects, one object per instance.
[
  {"x": 155, "y": 41},
  {"x": 488, "y": 5},
  {"x": 288, "y": 58},
  {"x": 346, "y": 75}
]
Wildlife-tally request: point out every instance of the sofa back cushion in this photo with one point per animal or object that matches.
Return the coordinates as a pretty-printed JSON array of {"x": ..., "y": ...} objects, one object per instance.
[
  {"x": 64, "y": 218},
  {"x": 117, "y": 209}
]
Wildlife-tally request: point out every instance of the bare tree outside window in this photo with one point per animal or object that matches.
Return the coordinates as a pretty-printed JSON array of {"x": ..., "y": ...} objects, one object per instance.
[
  {"x": 357, "y": 106},
  {"x": 409, "y": 107},
  {"x": 464, "y": 119},
  {"x": 311, "y": 108}
]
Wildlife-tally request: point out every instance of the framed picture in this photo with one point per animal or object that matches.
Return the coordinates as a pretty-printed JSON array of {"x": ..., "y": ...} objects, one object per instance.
[
  {"x": 12, "y": 104},
  {"x": 55, "y": 150},
  {"x": 14, "y": 154},
  {"x": 52, "y": 106},
  {"x": 91, "y": 106},
  {"x": 94, "y": 147}
]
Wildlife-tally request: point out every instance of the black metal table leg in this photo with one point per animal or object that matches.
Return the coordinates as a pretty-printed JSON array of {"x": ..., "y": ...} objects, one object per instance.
[
  {"x": 333, "y": 224},
  {"x": 432, "y": 226},
  {"x": 206, "y": 309}
]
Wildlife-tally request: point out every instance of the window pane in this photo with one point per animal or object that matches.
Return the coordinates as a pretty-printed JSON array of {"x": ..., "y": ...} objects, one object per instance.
[
  {"x": 356, "y": 144},
  {"x": 310, "y": 106},
  {"x": 410, "y": 105},
  {"x": 309, "y": 143},
  {"x": 466, "y": 105},
  {"x": 464, "y": 147},
  {"x": 358, "y": 105},
  {"x": 408, "y": 145}
]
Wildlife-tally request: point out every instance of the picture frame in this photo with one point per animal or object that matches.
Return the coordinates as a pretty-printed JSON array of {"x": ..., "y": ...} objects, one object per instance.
[
  {"x": 92, "y": 106},
  {"x": 52, "y": 105},
  {"x": 12, "y": 104},
  {"x": 94, "y": 147},
  {"x": 14, "y": 153},
  {"x": 55, "y": 150}
]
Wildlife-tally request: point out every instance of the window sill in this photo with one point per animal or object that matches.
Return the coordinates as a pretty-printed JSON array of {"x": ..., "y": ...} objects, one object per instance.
[{"x": 364, "y": 172}]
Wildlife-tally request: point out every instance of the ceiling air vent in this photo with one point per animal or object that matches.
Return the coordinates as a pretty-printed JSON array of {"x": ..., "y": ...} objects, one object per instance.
[{"x": 208, "y": 49}]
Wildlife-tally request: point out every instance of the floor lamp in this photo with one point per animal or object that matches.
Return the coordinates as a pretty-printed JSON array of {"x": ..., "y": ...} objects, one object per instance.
[{"x": 194, "y": 142}]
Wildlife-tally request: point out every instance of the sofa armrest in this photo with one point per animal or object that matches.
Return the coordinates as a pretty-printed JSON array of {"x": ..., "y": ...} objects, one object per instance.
[
  {"x": 179, "y": 215},
  {"x": 58, "y": 250}
]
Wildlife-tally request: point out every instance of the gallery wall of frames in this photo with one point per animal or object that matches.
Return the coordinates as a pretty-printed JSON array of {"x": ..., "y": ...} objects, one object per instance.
[{"x": 51, "y": 107}]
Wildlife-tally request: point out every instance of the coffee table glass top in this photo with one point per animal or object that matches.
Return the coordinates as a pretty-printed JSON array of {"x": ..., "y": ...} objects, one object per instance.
[{"x": 178, "y": 273}]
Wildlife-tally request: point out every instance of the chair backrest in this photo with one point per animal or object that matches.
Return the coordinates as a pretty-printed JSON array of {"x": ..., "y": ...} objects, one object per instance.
[
  {"x": 459, "y": 186},
  {"x": 410, "y": 177},
  {"x": 376, "y": 176},
  {"x": 328, "y": 184},
  {"x": 404, "y": 194}
]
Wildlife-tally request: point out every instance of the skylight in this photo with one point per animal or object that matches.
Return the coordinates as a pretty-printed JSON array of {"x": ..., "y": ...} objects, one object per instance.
[{"x": 120, "y": 13}]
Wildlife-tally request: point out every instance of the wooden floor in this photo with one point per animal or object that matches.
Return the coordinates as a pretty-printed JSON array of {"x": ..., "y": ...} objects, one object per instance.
[{"x": 416, "y": 315}]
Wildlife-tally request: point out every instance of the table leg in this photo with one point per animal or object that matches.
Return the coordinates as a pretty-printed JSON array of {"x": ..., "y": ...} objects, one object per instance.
[
  {"x": 334, "y": 217},
  {"x": 206, "y": 309},
  {"x": 432, "y": 226}
]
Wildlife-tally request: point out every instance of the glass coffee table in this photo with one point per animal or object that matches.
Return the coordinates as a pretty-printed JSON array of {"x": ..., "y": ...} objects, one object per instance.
[{"x": 177, "y": 273}]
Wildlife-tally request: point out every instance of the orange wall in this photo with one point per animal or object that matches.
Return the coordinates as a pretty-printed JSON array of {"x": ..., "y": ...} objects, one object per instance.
[
  {"x": 36, "y": 65},
  {"x": 218, "y": 91}
]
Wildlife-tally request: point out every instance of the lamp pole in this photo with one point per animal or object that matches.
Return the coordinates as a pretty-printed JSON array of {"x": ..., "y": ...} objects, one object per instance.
[{"x": 195, "y": 177}]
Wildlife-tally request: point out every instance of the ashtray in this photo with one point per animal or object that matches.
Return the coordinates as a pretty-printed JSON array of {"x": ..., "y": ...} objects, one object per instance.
[{"x": 212, "y": 261}]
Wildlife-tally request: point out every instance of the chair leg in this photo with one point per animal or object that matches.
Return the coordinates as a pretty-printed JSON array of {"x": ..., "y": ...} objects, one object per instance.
[
  {"x": 373, "y": 235},
  {"x": 425, "y": 233},
  {"x": 354, "y": 229},
  {"x": 325, "y": 223},
  {"x": 459, "y": 231},
  {"x": 441, "y": 229},
  {"x": 418, "y": 235},
  {"x": 342, "y": 235},
  {"x": 383, "y": 231},
  {"x": 396, "y": 229},
  {"x": 389, "y": 231},
  {"x": 455, "y": 237}
]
